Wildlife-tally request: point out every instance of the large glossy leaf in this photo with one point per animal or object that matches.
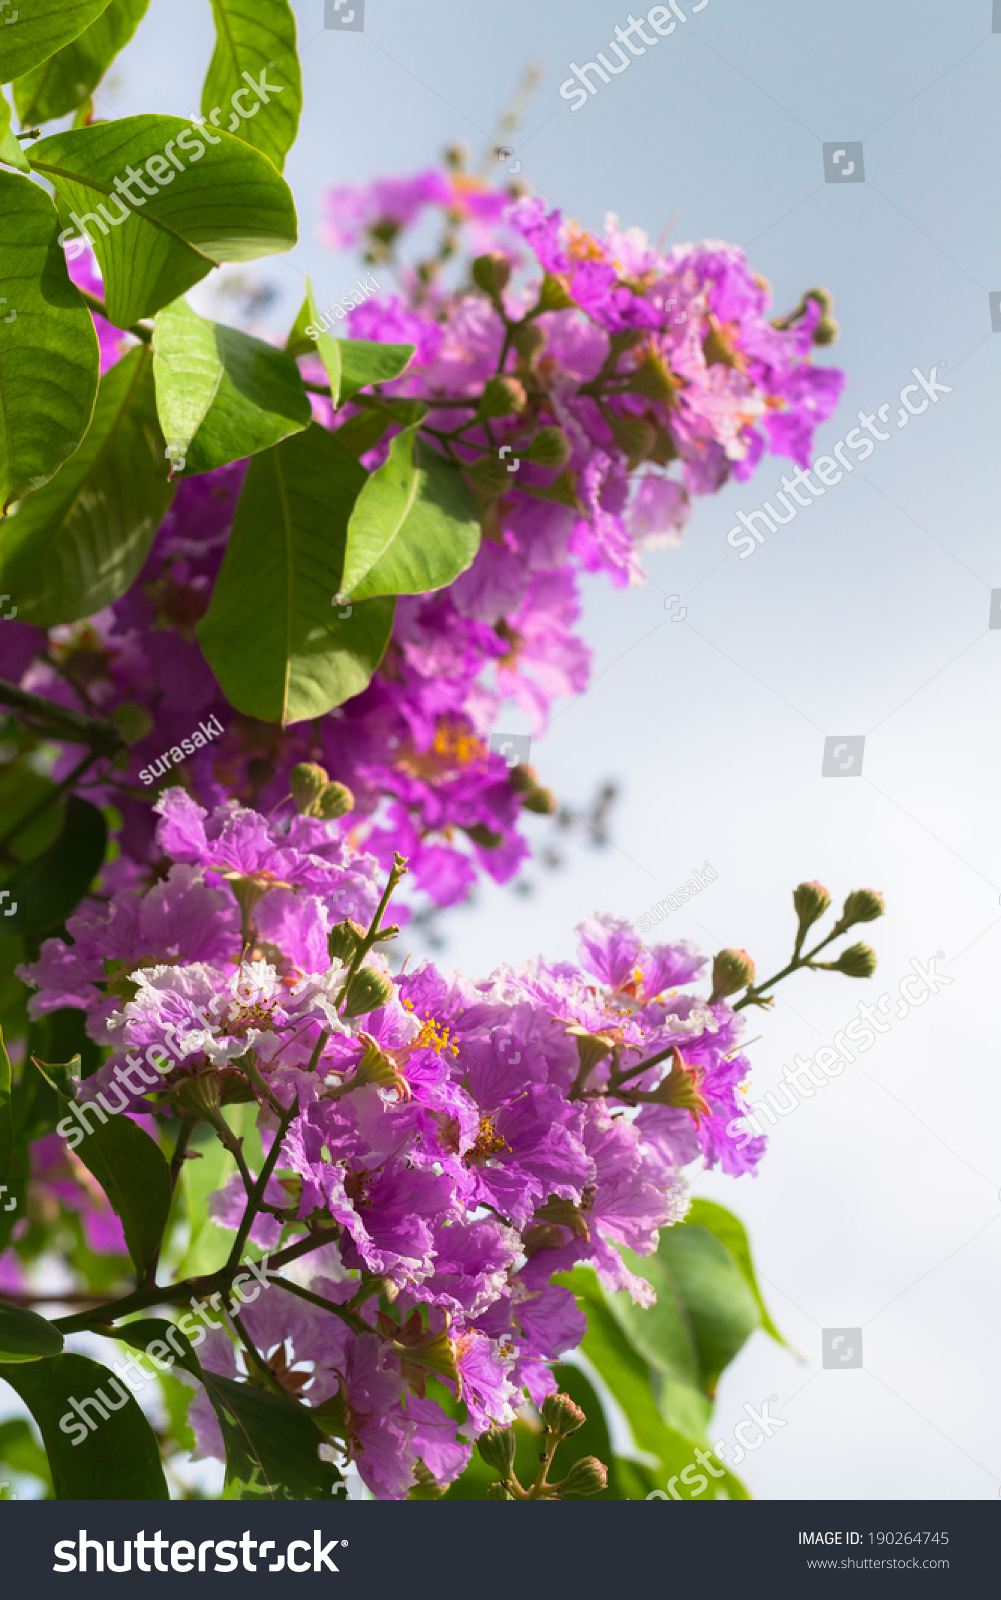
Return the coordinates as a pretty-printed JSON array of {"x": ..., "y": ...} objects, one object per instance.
[
  {"x": 627, "y": 1375},
  {"x": 48, "y": 347},
  {"x": 703, "y": 1316},
  {"x": 280, "y": 647},
  {"x": 202, "y": 198},
  {"x": 220, "y": 394},
  {"x": 42, "y": 28},
  {"x": 134, "y": 1175},
  {"x": 350, "y": 364},
  {"x": 77, "y": 544},
  {"x": 24, "y": 1336},
  {"x": 46, "y": 890},
  {"x": 6, "y": 1115},
  {"x": 732, "y": 1233},
  {"x": 272, "y": 1446},
  {"x": 64, "y": 81},
  {"x": 415, "y": 526},
  {"x": 116, "y": 1460},
  {"x": 255, "y": 43}
]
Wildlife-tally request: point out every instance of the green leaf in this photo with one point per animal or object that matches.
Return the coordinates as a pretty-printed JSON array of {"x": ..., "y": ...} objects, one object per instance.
[
  {"x": 732, "y": 1233},
  {"x": 42, "y": 28},
  {"x": 280, "y": 648},
  {"x": 66, "y": 79},
  {"x": 272, "y": 1446},
  {"x": 10, "y": 147},
  {"x": 134, "y": 1175},
  {"x": 48, "y": 346},
  {"x": 19, "y": 1451},
  {"x": 415, "y": 526},
  {"x": 6, "y": 1114},
  {"x": 350, "y": 364},
  {"x": 627, "y": 1375},
  {"x": 118, "y": 1459},
  {"x": 212, "y": 199},
  {"x": 703, "y": 1316},
  {"x": 220, "y": 394},
  {"x": 255, "y": 41},
  {"x": 45, "y": 891},
  {"x": 24, "y": 1336},
  {"x": 77, "y": 544},
  {"x": 62, "y": 1076}
]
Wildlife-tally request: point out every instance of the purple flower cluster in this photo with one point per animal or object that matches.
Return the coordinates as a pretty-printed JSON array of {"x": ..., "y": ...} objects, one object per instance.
[
  {"x": 457, "y": 1146},
  {"x": 620, "y": 385}
]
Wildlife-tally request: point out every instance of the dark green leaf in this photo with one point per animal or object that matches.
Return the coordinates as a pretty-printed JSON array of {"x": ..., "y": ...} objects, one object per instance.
[
  {"x": 280, "y": 647},
  {"x": 118, "y": 1459},
  {"x": 48, "y": 347},
  {"x": 351, "y": 364},
  {"x": 134, "y": 1175},
  {"x": 77, "y": 544},
  {"x": 65, "y": 80},
  {"x": 255, "y": 44},
  {"x": 415, "y": 526},
  {"x": 731, "y": 1232},
  {"x": 62, "y": 1076},
  {"x": 141, "y": 1333},
  {"x": 47, "y": 890},
  {"x": 272, "y": 1446},
  {"x": 627, "y": 1375},
  {"x": 20, "y": 1452},
  {"x": 213, "y": 198},
  {"x": 220, "y": 394},
  {"x": 42, "y": 28},
  {"x": 24, "y": 1336},
  {"x": 6, "y": 1115}
]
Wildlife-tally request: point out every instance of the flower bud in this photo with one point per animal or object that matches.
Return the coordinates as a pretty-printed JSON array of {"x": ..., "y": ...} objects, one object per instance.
[
  {"x": 307, "y": 783},
  {"x": 490, "y": 475},
  {"x": 367, "y": 992},
  {"x": 561, "y": 1416},
  {"x": 491, "y": 273},
  {"x": 732, "y": 970},
  {"x": 533, "y": 796},
  {"x": 497, "y": 1447},
  {"x": 587, "y": 1476},
  {"x": 344, "y": 942},
  {"x": 502, "y": 397},
  {"x": 528, "y": 339},
  {"x": 550, "y": 448},
  {"x": 634, "y": 436},
  {"x": 827, "y": 331},
  {"x": 862, "y": 905},
  {"x": 335, "y": 800},
  {"x": 132, "y": 720},
  {"x": 858, "y": 961},
  {"x": 810, "y": 901},
  {"x": 485, "y": 837}
]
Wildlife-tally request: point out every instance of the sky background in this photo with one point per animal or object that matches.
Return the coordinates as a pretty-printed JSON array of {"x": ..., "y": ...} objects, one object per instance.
[{"x": 878, "y": 1204}]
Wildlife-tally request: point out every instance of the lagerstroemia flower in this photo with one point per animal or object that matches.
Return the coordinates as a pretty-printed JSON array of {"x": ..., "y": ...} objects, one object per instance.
[
  {"x": 458, "y": 1146},
  {"x": 626, "y": 382}
]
